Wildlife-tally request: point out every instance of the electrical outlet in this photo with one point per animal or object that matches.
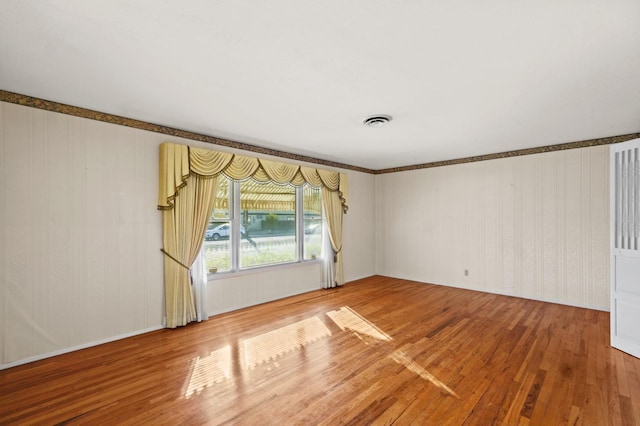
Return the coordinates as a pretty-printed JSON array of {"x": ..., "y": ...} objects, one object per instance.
[{"x": 466, "y": 272}]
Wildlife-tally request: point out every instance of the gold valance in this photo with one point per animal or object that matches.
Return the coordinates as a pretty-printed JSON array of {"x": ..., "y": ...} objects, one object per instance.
[{"x": 178, "y": 162}]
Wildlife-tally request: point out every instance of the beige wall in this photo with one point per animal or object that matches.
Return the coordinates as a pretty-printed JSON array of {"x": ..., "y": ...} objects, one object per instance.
[
  {"x": 80, "y": 236},
  {"x": 534, "y": 226}
]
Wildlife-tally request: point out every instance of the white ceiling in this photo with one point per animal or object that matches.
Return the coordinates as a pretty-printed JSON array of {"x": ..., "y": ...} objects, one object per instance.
[{"x": 460, "y": 78}]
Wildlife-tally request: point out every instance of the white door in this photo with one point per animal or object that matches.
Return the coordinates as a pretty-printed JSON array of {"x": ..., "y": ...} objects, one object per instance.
[{"x": 625, "y": 247}]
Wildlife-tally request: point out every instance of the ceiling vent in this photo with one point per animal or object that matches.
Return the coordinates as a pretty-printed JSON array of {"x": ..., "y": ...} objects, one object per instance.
[{"x": 377, "y": 120}]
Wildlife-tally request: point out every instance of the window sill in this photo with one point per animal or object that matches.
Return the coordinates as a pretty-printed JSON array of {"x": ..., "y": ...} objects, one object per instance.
[{"x": 259, "y": 269}]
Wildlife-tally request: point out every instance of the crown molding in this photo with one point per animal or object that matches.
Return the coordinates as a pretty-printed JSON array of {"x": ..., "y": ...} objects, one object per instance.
[
  {"x": 15, "y": 98},
  {"x": 528, "y": 151},
  {"x": 29, "y": 101}
]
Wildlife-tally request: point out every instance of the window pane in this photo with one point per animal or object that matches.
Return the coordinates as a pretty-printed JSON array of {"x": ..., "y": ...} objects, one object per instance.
[
  {"x": 217, "y": 245},
  {"x": 312, "y": 202},
  {"x": 223, "y": 200},
  {"x": 268, "y": 223}
]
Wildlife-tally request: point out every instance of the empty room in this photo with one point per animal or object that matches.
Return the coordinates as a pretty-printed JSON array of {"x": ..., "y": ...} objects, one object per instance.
[{"x": 319, "y": 213}]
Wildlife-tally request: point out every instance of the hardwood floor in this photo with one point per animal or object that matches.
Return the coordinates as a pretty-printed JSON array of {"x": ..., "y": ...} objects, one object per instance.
[{"x": 376, "y": 351}]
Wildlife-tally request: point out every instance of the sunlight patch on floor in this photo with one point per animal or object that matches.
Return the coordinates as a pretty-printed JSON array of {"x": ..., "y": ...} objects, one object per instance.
[
  {"x": 212, "y": 369},
  {"x": 348, "y": 319},
  {"x": 269, "y": 346},
  {"x": 401, "y": 357}
]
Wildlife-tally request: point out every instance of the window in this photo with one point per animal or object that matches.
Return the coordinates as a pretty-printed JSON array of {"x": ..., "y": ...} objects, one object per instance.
[
  {"x": 312, "y": 211},
  {"x": 271, "y": 239},
  {"x": 262, "y": 223},
  {"x": 217, "y": 250}
]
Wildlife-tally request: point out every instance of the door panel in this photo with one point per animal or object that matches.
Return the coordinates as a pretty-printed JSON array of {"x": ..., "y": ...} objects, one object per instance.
[
  {"x": 629, "y": 322},
  {"x": 627, "y": 270}
]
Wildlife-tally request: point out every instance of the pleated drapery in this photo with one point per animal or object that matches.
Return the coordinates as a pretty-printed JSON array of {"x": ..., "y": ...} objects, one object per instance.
[
  {"x": 186, "y": 197},
  {"x": 183, "y": 228},
  {"x": 333, "y": 214},
  {"x": 180, "y": 161}
]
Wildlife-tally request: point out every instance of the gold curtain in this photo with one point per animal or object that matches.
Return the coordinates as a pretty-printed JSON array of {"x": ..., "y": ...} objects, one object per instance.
[
  {"x": 208, "y": 163},
  {"x": 333, "y": 211},
  {"x": 174, "y": 170},
  {"x": 187, "y": 194},
  {"x": 183, "y": 228},
  {"x": 279, "y": 172}
]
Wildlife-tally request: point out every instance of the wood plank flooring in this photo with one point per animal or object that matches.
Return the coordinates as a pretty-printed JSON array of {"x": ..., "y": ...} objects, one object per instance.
[{"x": 376, "y": 351}]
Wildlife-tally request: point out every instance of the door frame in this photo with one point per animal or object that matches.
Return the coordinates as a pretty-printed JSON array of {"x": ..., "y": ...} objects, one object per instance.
[{"x": 619, "y": 341}]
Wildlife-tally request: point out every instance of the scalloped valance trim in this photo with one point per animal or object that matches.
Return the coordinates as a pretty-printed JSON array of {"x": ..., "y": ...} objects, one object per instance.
[{"x": 178, "y": 162}]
